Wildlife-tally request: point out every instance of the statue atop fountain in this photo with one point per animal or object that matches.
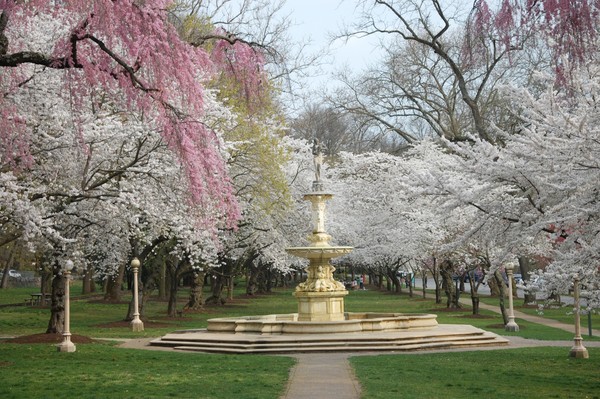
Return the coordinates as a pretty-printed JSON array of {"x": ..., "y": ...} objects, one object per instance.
[
  {"x": 320, "y": 297},
  {"x": 317, "y": 152}
]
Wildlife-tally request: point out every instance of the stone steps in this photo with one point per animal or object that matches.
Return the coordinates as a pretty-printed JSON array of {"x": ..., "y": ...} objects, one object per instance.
[{"x": 443, "y": 337}]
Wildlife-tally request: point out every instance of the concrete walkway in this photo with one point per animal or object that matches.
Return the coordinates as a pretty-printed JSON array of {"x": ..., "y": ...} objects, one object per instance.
[{"x": 322, "y": 375}]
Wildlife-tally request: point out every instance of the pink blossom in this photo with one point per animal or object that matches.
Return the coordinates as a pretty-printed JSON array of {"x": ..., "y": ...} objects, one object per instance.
[{"x": 129, "y": 50}]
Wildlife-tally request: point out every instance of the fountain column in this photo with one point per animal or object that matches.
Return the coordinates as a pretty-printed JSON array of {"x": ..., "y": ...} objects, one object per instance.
[{"x": 320, "y": 297}]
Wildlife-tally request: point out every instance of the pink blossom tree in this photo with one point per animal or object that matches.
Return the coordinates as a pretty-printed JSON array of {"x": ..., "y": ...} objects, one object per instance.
[
  {"x": 569, "y": 27},
  {"x": 129, "y": 50}
]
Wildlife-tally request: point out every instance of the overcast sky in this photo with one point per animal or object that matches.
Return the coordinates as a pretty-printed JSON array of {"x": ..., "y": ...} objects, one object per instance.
[{"x": 317, "y": 19}]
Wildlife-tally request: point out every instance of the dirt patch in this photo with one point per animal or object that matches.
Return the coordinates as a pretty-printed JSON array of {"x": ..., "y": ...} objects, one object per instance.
[{"x": 48, "y": 339}]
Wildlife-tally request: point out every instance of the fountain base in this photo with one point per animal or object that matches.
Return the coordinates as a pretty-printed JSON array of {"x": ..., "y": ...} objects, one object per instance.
[{"x": 320, "y": 306}]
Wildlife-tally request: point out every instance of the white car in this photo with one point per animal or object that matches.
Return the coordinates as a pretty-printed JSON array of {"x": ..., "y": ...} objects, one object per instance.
[{"x": 14, "y": 274}]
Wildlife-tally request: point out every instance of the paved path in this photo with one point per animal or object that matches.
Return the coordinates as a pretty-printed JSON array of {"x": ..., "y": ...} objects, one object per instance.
[{"x": 322, "y": 375}]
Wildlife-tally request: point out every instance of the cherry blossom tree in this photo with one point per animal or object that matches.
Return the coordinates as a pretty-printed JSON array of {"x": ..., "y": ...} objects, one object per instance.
[
  {"x": 535, "y": 195},
  {"x": 569, "y": 28},
  {"x": 131, "y": 51}
]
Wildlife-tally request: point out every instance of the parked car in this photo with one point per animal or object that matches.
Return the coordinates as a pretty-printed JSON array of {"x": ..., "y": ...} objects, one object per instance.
[{"x": 12, "y": 273}]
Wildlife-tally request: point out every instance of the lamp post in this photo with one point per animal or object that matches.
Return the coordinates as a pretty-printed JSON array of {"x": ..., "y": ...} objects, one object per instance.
[
  {"x": 511, "y": 325},
  {"x": 578, "y": 350},
  {"x": 136, "y": 324},
  {"x": 66, "y": 345}
]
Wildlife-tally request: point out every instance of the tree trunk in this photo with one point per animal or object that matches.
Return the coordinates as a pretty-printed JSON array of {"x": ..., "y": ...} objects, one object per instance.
[
  {"x": 230, "y": 288},
  {"x": 436, "y": 281},
  {"x": 494, "y": 288},
  {"x": 8, "y": 264},
  {"x": 252, "y": 279},
  {"x": 502, "y": 294},
  {"x": 46, "y": 275},
  {"x": 88, "y": 282},
  {"x": 195, "y": 301},
  {"x": 57, "y": 307},
  {"x": 452, "y": 295},
  {"x": 394, "y": 281},
  {"x": 525, "y": 265},
  {"x": 264, "y": 279},
  {"x": 424, "y": 282},
  {"x": 217, "y": 285},
  {"x": 474, "y": 294},
  {"x": 4, "y": 282},
  {"x": 173, "y": 287},
  {"x": 162, "y": 283},
  {"x": 113, "y": 285}
]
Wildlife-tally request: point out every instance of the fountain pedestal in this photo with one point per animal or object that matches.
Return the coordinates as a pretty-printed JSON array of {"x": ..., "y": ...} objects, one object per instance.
[{"x": 321, "y": 306}]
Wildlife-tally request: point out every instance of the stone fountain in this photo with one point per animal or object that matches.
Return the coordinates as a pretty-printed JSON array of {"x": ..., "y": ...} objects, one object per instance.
[
  {"x": 322, "y": 324},
  {"x": 320, "y": 297}
]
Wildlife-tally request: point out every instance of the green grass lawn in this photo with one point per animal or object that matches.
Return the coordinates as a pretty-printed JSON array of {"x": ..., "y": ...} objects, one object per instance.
[
  {"x": 102, "y": 370},
  {"x": 526, "y": 373}
]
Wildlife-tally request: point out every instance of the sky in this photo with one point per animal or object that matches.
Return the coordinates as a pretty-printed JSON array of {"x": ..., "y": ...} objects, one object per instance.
[{"x": 317, "y": 19}]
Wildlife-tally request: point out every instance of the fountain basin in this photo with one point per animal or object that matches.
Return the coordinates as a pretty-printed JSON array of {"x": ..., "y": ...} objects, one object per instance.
[
  {"x": 318, "y": 252},
  {"x": 352, "y": 323}
]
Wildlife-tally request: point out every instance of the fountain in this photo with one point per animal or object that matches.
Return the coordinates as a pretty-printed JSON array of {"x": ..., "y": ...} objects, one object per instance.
[
  {"x": 320, "y": 297},
  {"x": 322, "y": 324}
]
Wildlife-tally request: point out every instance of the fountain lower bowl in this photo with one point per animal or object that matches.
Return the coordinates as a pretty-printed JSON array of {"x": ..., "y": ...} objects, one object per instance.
[
  {"x": 353, "y": 322},
  {"x": 322, "y": 252}
]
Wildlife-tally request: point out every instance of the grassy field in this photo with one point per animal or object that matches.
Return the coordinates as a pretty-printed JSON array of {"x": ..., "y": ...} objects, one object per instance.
[
  {"x": 100, "y": 369},
  {"x": 526, "y": 373}
]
